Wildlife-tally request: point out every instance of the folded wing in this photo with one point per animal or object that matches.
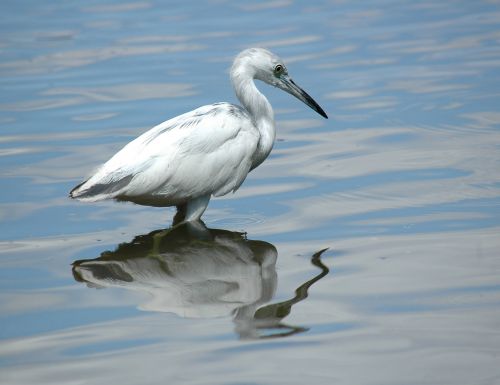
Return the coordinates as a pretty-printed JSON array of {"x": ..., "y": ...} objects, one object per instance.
[{"x": 206, "y": 151}]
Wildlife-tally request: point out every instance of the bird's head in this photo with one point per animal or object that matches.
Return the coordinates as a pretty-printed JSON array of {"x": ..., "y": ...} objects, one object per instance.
[{"x": 264, "y": 65}]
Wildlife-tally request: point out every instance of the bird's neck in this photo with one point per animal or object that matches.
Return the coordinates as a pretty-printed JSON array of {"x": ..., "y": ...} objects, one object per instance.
[{"x": 261, "y": 112}]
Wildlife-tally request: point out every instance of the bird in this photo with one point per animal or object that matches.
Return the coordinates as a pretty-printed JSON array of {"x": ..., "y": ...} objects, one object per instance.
[{"x": 206, "y": 152}]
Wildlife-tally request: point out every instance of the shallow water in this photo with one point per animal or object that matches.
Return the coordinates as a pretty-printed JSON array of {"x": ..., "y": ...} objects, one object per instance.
[{"x": 401, "y": 185}]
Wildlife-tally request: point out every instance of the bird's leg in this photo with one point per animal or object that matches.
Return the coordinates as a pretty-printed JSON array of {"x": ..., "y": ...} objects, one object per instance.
[
  {"x": 196, "y": 207},
  {"x": 180, "y": 214},
  {"x": 191, "y": 210}
]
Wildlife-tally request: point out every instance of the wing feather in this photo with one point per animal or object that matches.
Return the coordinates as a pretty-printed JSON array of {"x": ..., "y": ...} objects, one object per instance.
[{"x": 207, "y": 150}]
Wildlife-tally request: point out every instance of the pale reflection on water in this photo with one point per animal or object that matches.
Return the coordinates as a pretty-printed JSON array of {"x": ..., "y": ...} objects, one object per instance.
[
  {"x": 197, "y": 272},
  {"x": 402, "y": 184}
]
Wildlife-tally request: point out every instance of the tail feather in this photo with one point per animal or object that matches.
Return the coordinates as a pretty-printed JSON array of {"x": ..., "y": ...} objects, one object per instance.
[
  {"x": 99, "y": 190},
  {"x": 74, "y": 193}
]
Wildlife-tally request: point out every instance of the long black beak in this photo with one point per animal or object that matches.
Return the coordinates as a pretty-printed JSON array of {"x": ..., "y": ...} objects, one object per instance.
[{"x": 288, "y": 85}]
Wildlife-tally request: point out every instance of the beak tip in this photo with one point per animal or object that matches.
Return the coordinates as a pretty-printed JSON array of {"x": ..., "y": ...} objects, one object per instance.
[{"x": 320, "y": 111}]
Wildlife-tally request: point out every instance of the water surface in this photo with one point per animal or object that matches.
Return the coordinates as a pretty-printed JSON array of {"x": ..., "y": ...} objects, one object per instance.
[{"x": 401, "y": 186}]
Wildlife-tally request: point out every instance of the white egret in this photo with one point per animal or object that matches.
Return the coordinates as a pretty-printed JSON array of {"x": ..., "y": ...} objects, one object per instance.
[{"x": 208, "y": 151}]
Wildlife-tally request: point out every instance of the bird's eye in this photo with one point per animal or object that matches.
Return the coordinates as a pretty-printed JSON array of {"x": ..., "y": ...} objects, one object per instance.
[{"x": 278, "y": 69}]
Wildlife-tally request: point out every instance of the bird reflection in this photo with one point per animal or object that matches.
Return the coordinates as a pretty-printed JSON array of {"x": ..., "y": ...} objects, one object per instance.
[{"x": 197, "y": 272}]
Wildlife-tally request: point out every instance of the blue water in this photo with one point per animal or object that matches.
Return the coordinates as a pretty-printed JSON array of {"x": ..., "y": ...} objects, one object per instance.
[{"x": 401, "y": 184}]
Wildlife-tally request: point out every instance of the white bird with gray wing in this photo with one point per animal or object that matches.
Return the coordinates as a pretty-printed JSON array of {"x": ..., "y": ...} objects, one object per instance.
[{"x": 208, "y": 151}]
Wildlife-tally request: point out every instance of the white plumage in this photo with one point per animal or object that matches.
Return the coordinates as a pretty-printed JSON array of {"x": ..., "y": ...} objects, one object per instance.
[{"x": 208, "y": 151}]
